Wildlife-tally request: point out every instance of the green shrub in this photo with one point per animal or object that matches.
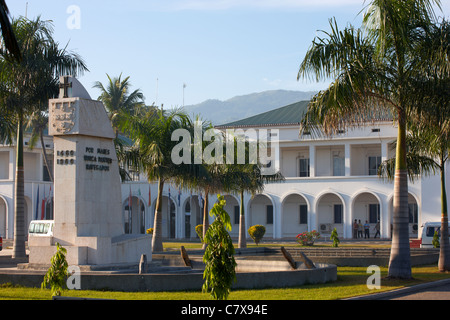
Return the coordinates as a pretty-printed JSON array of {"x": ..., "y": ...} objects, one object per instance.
[
  {"x": 219, "y": 260},
  {"x": 199, "y": 231},
  {"x": 435, "y": 242},
  {"x": 57, "y": 274},
  {"x": 257, "y": 233},
  {"x": 334, "y": 237}
]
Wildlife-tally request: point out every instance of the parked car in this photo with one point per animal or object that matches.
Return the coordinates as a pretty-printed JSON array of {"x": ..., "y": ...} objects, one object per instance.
[
  {"x": 428, "y": 232},
  {"x": 42, "y": 228}
]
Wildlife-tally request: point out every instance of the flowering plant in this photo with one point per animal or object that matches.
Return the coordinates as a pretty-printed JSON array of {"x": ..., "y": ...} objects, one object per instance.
[{"x": 307, "y": 238}]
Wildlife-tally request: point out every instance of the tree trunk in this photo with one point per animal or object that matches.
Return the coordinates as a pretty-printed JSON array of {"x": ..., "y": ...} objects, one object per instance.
[
  {"x": 205, "y": 217},
  {"x": 157, "y": 244},
  {"x": 19, "y": 199},
  {"x": 242, "y": 238},
  {"x": 400, "y": 259},
  {"x": 444, "y": 251}
]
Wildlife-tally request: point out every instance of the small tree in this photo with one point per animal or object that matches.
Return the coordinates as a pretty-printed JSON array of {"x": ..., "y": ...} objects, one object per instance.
[
  {"x": 435, "y": 241},
  {"x": 57, "y": 273},
  {"x": 334, "y": 237},
  {"x": 220, "y": 266},
  {"x": 257, "y": 232}
]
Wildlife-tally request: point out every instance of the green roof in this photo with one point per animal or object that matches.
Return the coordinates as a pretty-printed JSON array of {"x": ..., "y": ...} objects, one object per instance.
[{"x": 288, "y": 115}]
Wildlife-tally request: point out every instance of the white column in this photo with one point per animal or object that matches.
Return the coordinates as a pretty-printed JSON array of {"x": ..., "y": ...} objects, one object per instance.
[
  {"x": 384, "y": 151},
  {"x": 312, "y": 161},
  {"x": 347, "y": 160},
  {"x": 12, "y": 164}
]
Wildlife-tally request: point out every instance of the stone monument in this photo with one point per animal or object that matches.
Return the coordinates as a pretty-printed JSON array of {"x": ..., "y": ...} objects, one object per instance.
[{"x": 89, "y": 221}]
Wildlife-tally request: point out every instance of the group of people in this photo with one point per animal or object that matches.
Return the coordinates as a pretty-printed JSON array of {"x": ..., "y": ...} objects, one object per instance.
[{"x": 358, "y": 228}]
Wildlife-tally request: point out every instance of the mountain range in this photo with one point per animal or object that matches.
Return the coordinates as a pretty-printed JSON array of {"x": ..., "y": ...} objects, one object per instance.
[{"x": 241, "y": 107}]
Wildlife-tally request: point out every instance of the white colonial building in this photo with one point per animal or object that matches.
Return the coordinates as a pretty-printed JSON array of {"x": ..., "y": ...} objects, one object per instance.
[{"x": 329, "y": 182}]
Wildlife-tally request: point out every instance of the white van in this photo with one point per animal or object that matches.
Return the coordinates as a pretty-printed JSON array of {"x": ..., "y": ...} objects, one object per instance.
[
  {"x": 428, "y": 229},
  {"x": 41, "y": 228}
]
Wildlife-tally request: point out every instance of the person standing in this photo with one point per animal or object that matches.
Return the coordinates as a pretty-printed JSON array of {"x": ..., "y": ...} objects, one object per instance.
[
  {"x": 360, "y": 229},
  {"x": 355, "y": 229},
  {"x": 366, "y": 230}
]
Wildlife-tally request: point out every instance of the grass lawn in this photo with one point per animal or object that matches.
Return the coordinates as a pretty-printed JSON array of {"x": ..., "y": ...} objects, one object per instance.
[{"x": 351, "y": 282}]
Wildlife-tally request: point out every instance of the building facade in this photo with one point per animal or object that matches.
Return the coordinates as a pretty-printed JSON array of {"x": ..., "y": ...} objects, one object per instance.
[{"x": 329, "y": 182}]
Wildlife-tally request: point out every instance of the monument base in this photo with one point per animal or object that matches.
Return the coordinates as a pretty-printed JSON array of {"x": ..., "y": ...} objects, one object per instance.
[{"x": 124, "y": 249}]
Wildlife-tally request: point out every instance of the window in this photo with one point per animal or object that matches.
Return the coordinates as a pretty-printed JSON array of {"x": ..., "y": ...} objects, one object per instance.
[
  {"x": 269, "y": 214},
  {"x": 374, "y": 213},
  {"x": 303, "y": 214},
  {"x": 237, "y": 215},
  {"x": 413, "y": 213},
  {"x": 338, "y": 213},
  {"x": 338, "y": 166},
  {"x": 430, "y": 231},
  {"x": 303, "y": 168},
  {"x": 374, "y": 164}
]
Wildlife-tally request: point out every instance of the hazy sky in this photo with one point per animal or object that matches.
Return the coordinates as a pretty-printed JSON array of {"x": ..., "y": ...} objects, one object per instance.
[{"x": 217, "y": 48}]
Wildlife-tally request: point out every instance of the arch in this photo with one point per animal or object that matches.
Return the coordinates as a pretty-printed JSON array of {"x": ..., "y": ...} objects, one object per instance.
[
  {"x": 195, "y": 216},
  {"x": 4, "y": 208},
  {"x": 232, "y": 208},
  {"x": 262, "y": 211},
  {"x": 295, "y": 214},
  {"x": 135, "y": 220},
  {"x": 169, "y": 214},
  {"x": 415, "y": 215},
  {"x": 186, "y": 209},
  {"x": 330, "y": 211},
  {"x": 366, "y": 207}
]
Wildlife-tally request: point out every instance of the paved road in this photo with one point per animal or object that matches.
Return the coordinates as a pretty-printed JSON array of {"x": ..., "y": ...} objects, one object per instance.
[{"x": 437, "y": 290}]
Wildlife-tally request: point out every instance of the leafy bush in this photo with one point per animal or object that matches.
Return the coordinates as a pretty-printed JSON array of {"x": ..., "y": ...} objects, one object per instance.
[
  {"x": 435, "y": 241},
  {"x": 219, "y": 259},
  {"x": 334, "y": 237},
  {"x": 199, "y": 231},
  {"x": 57, "y": 274},
  {"x": 308, "y": 238},
  {"x": 257, "y": 232}
]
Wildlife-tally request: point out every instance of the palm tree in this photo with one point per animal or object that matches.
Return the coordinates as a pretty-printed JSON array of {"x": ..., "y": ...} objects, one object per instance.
[
  {"x": 247, "y": 177},
  {"x": 118, "y": 100},
  {"x": 7, "y": 32},
  {"x": 372, "y": 79},
  {"x": 38, "y": 123},
  {"x": 153, "y": 134},
  {"x": 25, "y": 87},
  {"x": 432, "y": 119},
  {"x": 250, "y": 179}
]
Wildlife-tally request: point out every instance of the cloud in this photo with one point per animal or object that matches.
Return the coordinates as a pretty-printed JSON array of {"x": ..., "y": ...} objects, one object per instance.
[{"x": 273, "y": 83}]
